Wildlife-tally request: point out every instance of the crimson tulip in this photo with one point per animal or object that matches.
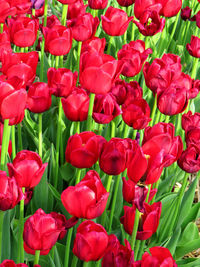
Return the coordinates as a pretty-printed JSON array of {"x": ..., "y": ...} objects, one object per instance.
[
  {"x": 83, "y": 149},
  {"x": 189, "y": 160},
  {"x": 27, "y": 168},
  {"x": 97, "y": 4},
  {"x": 5, "y": 42},
  {"x": 22, "y": 6},
  {"x": 186, "y": 13},
  {"x": 67, "y": 2},
  {"x": 94, "y": 44},
  {"x": 192, "y": 136},
  {"x": 83, "y": 27},
  {"x": 52, "y": 21},
  {"x": 10, "y": 192},
  {"x": 76, "y": 105},
  {"x": 58, "y": 40},
  {"x": 133, "y": 55},
  {"x": 188, "y": 120},
  {"x": 115, "y": 21},
  {"x": 11, "y": 263},
  {"x": 125, "y": 3},
  {"x": 76, "y": 9},
  {"x": 90, "y": 242},
  {"x": 6, "y": 10},
  {"x": 194, "y": 46},
  {"x": 93, "y": 197}
]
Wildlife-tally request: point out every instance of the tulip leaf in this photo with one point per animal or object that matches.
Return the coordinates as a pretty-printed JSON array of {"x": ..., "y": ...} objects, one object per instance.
[
  {"x": 6, "y": 248},
  {"x": 186, "y": 248},
  {"x": 172, "y": 243},
  {"x": 190, "y": 233},
  {"x": 57, "y": 260},
  {"x": 45, "y": 69},
  {"x": 119, "y": 200},
  {"x": 54, "y": 192},
  {"x": 189, "y": 262},
  {"x": 193, "y": 214},
  {"x": 67, "y": 172}
]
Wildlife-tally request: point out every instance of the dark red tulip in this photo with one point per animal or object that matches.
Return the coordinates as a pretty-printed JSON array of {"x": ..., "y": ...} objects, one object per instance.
[
  {"x": 133, "y": 55},
  {"x": 61, "y": 81},
  {"x": 156, "y": 25},
  {"x": 67, "y": 2},
  {"x": 194, "y": 46},
  {"x": 76, "y": 105},
  {"x": 20, "y": 65},
  {"x": 76, "y": 9},
  {"x": 125, "y": 3},
  {"x": 58, "y": 40},
  {"x": 83, "y": 27},
  {"x": 98, "y": 72},
  {"x": 10, "y": 192},
  {"x": 93, "y": 197},
  {"x": 149, "y": 220},
  {"x": 97, "y": 4},
  {"x": 52, "y": 21},
  {"x": 188, "y": 120},
  {"x": 28, "y": 195},
  {"x": 11, "y": 263},
  {"x": 39, "y": 97},
  {"x": 192, "y": 136},
  {"x": 105, "y": 109},
  {"x": 27, "y": 168},
  {"x": 115, "y": 21},
  {"x": 23, "y": 31},
  {"x": 6, "y": 10},
  {"x": 136, "y": 113},
  {"x": 90, "y": 242},
  {"x": 94, "y": 44},
  {"x": 12, "y": 103},
  {"x": 186, "y": 13},
  {"x": 5, "y": 42},
  {"x": 159, "y": 256},
  {"x": 83, "y": 149},
  {"x": 197, "y": 19},
  {"x": 189, "y": 160},
  {"x": 118, "y": 255},
  {"x": 41, "y": 231}
]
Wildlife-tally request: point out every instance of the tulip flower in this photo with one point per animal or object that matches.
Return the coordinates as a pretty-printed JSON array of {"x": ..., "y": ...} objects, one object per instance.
[
  {"x": 186, "y": 13},
  {"x": 27, "y": 168},
  {"x": 10, "y": 192},
  {"x": 93, "y": 197},
  {"x": 188, "y": 120},
  {"x": 4, "y": 42},
  {"x": 22, "y": 6},
  {"x": 192, "y": 136},
  {"x": 125, "y": 3},
  {"x": 189, "y": 160},
  {"x": 52, "y": 21},
  {"x": 194, "y": 46},
  {"x": 94, "y": 44},
  {"x": 76, "y": 9},
  {"x": 133, "y": 55},
  {"x": 115, "y": 22},
  {"x": 90, "y": 242},
  {"x": 6, "y": 10},
  {"x": 67, "y": 2},
  {"x": 97, "y": 4},
  {"x": 11, "y": 263}
]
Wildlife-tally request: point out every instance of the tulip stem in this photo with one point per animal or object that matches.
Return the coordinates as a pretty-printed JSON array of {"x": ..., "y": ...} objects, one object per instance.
[
  {"x": 13, "y": 141},
  {"x": 142, "y": 243},
  {"x": 1, "y": 29},
  {"x": 173, "y": 30},
  {"x": 1, "y": 231},
  {"x": 135, "y": 228},
  {"x": 40, "y": 133},
  {"x": 78, "y": 55},
  {"x": 78, "y": 175},
  {"x": 85, "y": 264},
  {"x": 194, "y": 68},
  {"x": 58, "y": 141},
  {"x": 112, "y": 129},
  {"x": 74, "y": 261},
  {"x": 67, "y": 250},
  {"x": 109, "y": 45},
  {"x": 45, "y": 13},
  {"x": 114, "y": 202},
  {"x": 37, "y": 257},
  {"x": 137, "y": 246},
  {"x": 64, "y": 15},
  {"x": 148, "y": 193},
  {"x": 5, "y": 142},
  {"x": 21, "y": 228},
  {"x": 153, "y": 110},
  {"x": 108, "y": 185},
  {"x": 19, "y": 134},
  {"x": 90, "y": 111}
]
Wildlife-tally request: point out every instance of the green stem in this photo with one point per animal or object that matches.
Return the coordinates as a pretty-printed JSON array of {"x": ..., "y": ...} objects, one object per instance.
[
  {"x": 40, "y": 133},
  {"x": 148, "y": 193},
  {"x": 19, "y": 135},
  {"x": 58, "y": 141},
  {"x": 86, "y": 264},
  {"x": 42, "y": 60},
  {"x": 173, "y": 30},
  {"x": 45, "y": 13},
  {"x": 78, "y": 175},
  {"x": 57, "y": 62},
  {"x": 109, "y": 45},
  {"x": 135, "y": 228},
  {"x": 67, "y": 248},
  {"x": 1, "y": 28},
  {"x": 112, "y": 134},
  {"x": 78, "y": 55},
  {"x": 133, "y": 32},
  {"x": 114, "y": 202},
  {"x": 137, "y": 246},
  {"x": 21, "y": 228},
  {"x": 155, "y": 186},
  {"x": 142, "y": 243},
  {"x": 64, "y": 15},
  {"x": 5, "y": 142},
  {"x": 90, "y": 110},
  {"x": 13, "y": 141},
  {"x": 37, "y": 257},
  {"x": 74, "y": 261},
  {"x": 108, "y": 185},
  {"x": 1, "y": 232},
  {"x": 153, "y": 110},
  {"x": 194, "y": 68},
  {"x": 33, "y": 12},
  {"x": 126, "y": 130}
]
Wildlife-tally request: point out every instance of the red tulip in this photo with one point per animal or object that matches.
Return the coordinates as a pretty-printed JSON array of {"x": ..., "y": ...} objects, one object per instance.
[
  {"x": 22, "y": 6},
  {"x": 186, "y": 13},
  {"x": 76, "y": 105},
  {"x": 27, "y": 168},
  {"x": 92, "y": 194},
  {"x": 83, "y": 27},
  {"x": 192, "y": 136},
  {"x": 189, "y": 160},
  {"x": 194, "y": 46},
  {"x": 76, "y": 9},
  {"x": 133, "y": 55},
  {"x": 23, "y": 31},
  {"x": 98, "y": 72},
  {"x": 6, "y": 10},
  {"x": 125, "y": 3},
  {"x": 11, "y": 263},
  {"x": 94, "y": 44},
  {"x": 52, "y": 21},
  {"x": 67, "y": 2},
  {"x": 4, "y": 42},
  {"x": 10, "y": 192},
  {"x": 115, "y": 22},
  {"x": 105, "y": 109},
  {"x": 189, "y": 120},
  {"x": 39, "y": 97},
  {"x": 97, "y": 4},
  {"x": 90, "y": 242},
  {"x": 170, "y": 8},
  {"x": 83, "y": 149},
  {"x": 58, "y": 40}
]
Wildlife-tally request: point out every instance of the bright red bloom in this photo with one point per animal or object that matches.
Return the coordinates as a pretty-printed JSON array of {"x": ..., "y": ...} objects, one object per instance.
[
  {"x": 159, "y": 257},
  {"x": 11, "y": 263},
  {"x": 97, "y": 4},
  {"x": 136, "y": 113},
  {"x": 27, "y": 168},
  {"x": 98, "y": 72},
  {"x": 76, "y": 9},
  {"x": 190, "y": 120},
  {"x": 23, "y": 31},
  {"x": 58, "y": 40},
  {"x": 10, "y": 192},
  {"x": 6, "y": 10},
  {"x": 133, "y": 55},
  {"x": 61, "y": 81},
  {"x": 93, "y": 197},
  {"x": 189, "y": 160},
  {"x": 186, "y": 13},
  {"x": 22, "y": 6},
  {"x": 192, "y": 136},
  {"x": 83, "y": 149},
  {"x": 93, "y": 45},
  {"x": 156, "y": 24},
  {"x": 20, "y": 65},
  {"x": 118, "y": 255},
  {"x": 125, "y": 2},
  {"x": 115, "y": 22},
  {"x": 39, "y": 97},
  {"x": 76, "y": 105},
  {"x": 52, "y": 21},
  {"x": 90, "y": 242},
  {"x": 5, "y": 42},
  {"x": 83, "y": 27},
  {"x": 67, "y": 2},
  {"x": 105, "y": 109},
  {"x": 194, "y": 46},
  {"x": 149, "y": 220}
]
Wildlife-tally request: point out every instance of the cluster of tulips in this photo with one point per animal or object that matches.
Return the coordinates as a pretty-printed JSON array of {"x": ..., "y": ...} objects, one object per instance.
[{"x": 99, "y": 133}]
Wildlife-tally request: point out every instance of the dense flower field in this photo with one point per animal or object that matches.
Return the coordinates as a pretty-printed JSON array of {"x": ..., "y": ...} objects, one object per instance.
[{"x": 99, "y": 133}]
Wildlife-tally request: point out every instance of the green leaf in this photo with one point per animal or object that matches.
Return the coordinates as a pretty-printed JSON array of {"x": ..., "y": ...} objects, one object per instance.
[
  {"x": 67, "y": 172},
  {"x": 193, "y": 214},
  {"x": 189, "y": 262},
  {"x": 6, "y": 247},
  {"x": 54, "y": 192},
  {"x": 172, "y": 243},
  {"x": 119, "y": 201},
  {"x": 186, "y": 248},
  {"x": 190, "y": 233}
]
